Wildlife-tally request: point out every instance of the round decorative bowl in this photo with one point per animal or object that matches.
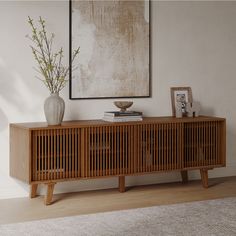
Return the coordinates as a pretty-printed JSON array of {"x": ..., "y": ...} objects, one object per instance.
[{"x": 123, "y": 105}]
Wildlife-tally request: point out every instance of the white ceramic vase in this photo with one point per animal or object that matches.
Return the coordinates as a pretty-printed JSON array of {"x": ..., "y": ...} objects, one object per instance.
[{"x": 54, "y": 107}]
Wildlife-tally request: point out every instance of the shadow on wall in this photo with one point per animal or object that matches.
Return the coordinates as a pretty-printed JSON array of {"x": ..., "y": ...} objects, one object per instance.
[
  {"x": 15, "y": 96},
  {"x": 4, "y": 121},
  {"x": 8, "y": 93},
  {"x": 8, "y": 87}
]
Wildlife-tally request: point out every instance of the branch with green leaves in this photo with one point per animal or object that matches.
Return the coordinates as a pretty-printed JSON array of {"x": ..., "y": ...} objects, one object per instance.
[{"x": 54, "y": 74}]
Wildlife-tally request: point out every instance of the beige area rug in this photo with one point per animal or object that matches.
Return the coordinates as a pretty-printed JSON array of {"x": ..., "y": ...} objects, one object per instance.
[{"x": 213, "y": 217}]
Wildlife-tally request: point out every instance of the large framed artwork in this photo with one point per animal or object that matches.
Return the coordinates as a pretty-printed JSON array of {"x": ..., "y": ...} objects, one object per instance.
[{"x": 113, "y": 37}]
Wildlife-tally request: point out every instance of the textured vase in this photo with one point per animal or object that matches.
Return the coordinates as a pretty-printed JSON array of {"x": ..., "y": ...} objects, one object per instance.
[{"x": 54, "y": 107}]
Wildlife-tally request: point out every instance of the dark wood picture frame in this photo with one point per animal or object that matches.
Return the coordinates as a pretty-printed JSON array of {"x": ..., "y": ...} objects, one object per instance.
[
  {"x": 185, "y": 90},
  {"x": 71, "y": 70}
]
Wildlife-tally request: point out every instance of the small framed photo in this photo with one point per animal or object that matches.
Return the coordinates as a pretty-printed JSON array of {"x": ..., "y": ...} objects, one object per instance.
[{"x": 180, "y": 94}]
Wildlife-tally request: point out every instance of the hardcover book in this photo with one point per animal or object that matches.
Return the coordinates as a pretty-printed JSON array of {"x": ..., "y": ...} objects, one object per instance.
[{"x": 119, "y": 113}]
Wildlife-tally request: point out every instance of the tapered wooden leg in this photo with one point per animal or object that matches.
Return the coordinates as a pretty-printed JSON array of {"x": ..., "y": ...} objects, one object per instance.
[
  {"x": 184, "y": 175},
  {"x": 122, "y": 184},
  {"x": 48, "y": 196},
  {"x": 204, "y": 177},
  {"x": 33, "y": 190}
]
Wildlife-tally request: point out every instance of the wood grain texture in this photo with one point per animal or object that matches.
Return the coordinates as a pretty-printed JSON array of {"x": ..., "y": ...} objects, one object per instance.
[
  {"x": 33, "y": 190},
  {"x": 121, "y": 184},
  {"x": 204, "y": 177},
  {"x": 97, "y": 149},
  {"x": 20, "y": 154},
  {"x": 94, "y": 123},
  {"x": 49, "y": 194}
]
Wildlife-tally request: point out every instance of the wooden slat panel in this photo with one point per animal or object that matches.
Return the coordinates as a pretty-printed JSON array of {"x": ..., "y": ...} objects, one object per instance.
[
  {"x": 138, "y": 143},
  {"x": 93, "y": 151},
  {"x": 126, "y": 149},
  {"x": 57, "y": 161},
  {"x": 72, "y": 153},
  {"x": 202, "y": 144},
  {"x": 119, "y": 147},
  {"x": 167, "y": 166},
  {"x": 80, "y": 151},
  {"x": 197, "y": 144},
  {"x": 111, "y": 146},
  {"x": 142, "y": 148},
  {"x": 114, "y": 150},
  {"x": 146, "y": 156},
  {"x": 83, "y": 152},
  {"x": 104, "y": 149},
  {"x": 217, "y": 142},
  {"x": 134, "y": 151},
  {"x": 49, "y": 156},
  {"x": 192, "y": 145},
  {"x": 145, "y": 147},
  {"x": 39, "y": 154},
  {"x": 161, "y": 143},
  {"x": 166, "y": 146},
  {"x": 45, "y": 155},
  {"x": 100, "y": 151},
  {"x": 211, "y": 143},
  {"x": 69, "y": 153},
  {"x": 44, "y": 148},
  {"x": 35, "y": 157},
  {"x": 107, "y": 151},
  {"x": 205, "y": 146},
  {"x": 172, "y": 136},
  {"x": 154, "y": 165},
  {"x": 60, "y": 145},
  {"x": 159, "y": 147},
  {"x": 76, "y": 154},
  {"x": 87, "y": 151},
  {"x": 121, "y": 150},
  {"x": 214, "y": 143},
  {"x": 150, "y": 147},
  {"x": 53, "y": 168}
]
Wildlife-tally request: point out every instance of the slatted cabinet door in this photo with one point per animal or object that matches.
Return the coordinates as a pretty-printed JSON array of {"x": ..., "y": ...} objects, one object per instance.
[
  {"x": 109, "y": 151},
  {"x": 126, "y": 149},
  {"x": 56, "y": 154},
  {"x": 160, "y": 147},
  {"x": 203, "y": 144}
]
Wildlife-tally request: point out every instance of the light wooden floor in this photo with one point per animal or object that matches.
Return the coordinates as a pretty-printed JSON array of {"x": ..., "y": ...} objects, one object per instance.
[{"x": 25, "y": 209}]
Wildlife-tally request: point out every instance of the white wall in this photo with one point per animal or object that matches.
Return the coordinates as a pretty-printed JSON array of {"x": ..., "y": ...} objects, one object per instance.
[{"x": 193, "y": 44}]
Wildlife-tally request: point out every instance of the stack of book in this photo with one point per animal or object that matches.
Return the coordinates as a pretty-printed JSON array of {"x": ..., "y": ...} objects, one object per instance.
[{"x": 118, "y": 116}]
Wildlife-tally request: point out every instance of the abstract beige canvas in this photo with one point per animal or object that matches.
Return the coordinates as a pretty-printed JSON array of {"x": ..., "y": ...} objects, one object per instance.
[{"x": 114, "y": 49}]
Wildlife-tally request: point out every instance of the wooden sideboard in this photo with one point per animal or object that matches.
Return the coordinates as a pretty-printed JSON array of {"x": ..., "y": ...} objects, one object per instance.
[{"x": 95, "y": 149}]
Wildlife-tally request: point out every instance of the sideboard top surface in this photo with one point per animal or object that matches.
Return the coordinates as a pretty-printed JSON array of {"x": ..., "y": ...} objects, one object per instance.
[{"x": 89, "y": 123}]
